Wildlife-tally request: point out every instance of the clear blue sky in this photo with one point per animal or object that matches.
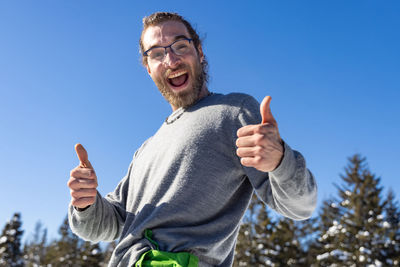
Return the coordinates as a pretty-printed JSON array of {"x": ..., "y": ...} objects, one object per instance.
[{"x": 70, "y": 72}]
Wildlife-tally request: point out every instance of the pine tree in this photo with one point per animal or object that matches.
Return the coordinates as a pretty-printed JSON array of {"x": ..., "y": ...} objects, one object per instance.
[
  {"x": 10, "y": 243},
  {"x": 356, "y": 238},
  {"x": 264, "y": 242},
  {"x": 306, "y": 233},
  {"x": 286, "y": 244},
  {"x": 326, "y": 231},
  {"x": 243, "y": 244},
  {"x": 35, "y": 250},
  {"x": 263, "y": 228},
  {"x": 72, "y": 251},
  {"x": 65, "y": 251},
  {"x": 91, "y": 255},
  {"x": 392, "y": 230},
  {"x": 254, "y": 235}
]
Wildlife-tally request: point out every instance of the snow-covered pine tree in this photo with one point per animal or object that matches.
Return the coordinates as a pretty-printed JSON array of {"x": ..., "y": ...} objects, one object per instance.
[
  {"x": 328, "y": 218},
  {"x": 360, "y": 231},
  {"x": 306, "y": 233},
  {"x": 243, "y": 245},
  {"x": 263, "y": 239},
  {"x": 287, "y": 248},
  {"x": 35, "y": 250},
  {"x": 91, "y": 255},
  {"x": 65, "y": 251},
  {"x": 10, "y": 243},
  {"x": 254, "y": 235},
  {"x": 392, "y": 234},
  {"x": 72, "y": 251}
]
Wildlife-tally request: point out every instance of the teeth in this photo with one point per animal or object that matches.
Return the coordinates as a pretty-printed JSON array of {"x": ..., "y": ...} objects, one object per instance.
[{"x": 177, "y": 74}]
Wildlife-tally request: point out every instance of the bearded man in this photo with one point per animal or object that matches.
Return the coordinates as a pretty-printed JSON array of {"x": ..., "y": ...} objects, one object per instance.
[{"x": 189, "y": 185}]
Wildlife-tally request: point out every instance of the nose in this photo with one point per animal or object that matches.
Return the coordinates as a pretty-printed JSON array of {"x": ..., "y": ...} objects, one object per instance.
[{"x": 171, "y": 60}]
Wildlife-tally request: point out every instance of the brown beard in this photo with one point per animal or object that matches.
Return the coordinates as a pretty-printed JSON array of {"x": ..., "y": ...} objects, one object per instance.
[{"x": 189, "y": 96}]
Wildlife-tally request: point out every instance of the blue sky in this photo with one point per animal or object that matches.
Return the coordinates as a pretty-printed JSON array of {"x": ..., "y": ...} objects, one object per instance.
[{"x": 70, "y": 72}]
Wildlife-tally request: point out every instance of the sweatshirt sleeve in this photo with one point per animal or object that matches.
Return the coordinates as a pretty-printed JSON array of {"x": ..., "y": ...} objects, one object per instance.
[
  {"x": 104, "y": 220},
  {"x": 290, "y": 189}
]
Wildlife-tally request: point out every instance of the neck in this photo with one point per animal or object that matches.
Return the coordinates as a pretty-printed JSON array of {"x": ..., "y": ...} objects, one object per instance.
[{"x": 203, "y": 93}]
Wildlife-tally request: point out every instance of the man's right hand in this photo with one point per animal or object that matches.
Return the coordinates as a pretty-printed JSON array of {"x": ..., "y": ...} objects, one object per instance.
[{"x": 83, "y": 181}]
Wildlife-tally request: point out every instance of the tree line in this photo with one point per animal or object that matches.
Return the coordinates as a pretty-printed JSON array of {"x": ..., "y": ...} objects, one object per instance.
[{"x": 357, "y": 227}]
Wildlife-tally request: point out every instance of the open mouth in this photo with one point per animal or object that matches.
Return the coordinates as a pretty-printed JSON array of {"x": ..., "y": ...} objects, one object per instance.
[{"x": 178, "y": 79}]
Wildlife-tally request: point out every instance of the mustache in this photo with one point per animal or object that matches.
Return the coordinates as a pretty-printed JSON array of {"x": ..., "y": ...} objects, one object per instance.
[{"x": 181, "y": 66}]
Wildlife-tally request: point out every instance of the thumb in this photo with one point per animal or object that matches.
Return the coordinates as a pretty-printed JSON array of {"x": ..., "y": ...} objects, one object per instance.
[
  {"x": 265, "y": 111},
  {"x": 83, "y": 156}
]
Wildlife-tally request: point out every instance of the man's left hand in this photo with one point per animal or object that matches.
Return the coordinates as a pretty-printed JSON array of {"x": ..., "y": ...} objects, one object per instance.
[{"x": 260, "y": 146}]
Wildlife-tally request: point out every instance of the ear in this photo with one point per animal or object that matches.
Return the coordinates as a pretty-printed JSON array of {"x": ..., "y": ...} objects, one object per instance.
[
  {"x": 148, "y": 69},
  {"x": 201, "y": 54}
]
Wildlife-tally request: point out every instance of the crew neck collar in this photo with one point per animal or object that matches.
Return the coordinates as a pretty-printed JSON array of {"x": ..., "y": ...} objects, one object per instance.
[{"x": 176, "y": 114}]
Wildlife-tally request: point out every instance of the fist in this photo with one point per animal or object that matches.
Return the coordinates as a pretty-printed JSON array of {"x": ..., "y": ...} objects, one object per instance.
[
  {"x": 260, "y": 146},
  {"x": 83, "y": 181}
]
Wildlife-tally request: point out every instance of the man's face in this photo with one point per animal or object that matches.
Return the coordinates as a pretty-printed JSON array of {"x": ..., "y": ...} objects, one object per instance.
[{"x": 180, "y": 79}]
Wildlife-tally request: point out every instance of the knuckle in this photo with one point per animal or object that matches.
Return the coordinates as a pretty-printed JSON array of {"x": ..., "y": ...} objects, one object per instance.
[
  {"x": 257, "y": 160},
  {"x": 75, "y": 194},
  {"x": 75, "y": 201},
  {"x": 267, "y": 128},
  {"x": 75, "y": 174},
  {"x": 89, "y": 173},
  {"x": 247, "y": 162},
  {"x": 259, "y": 139},
  {"x": 87, "y": 201},
  {"x": 242, "y": 130},
  {"x": 238, "y": 142},
  {"x": 259, "y": 128},
  {"x": 74, "y": 171},
  {"x": 72, "y": 184},
  {"x": 258, "y": 150}
]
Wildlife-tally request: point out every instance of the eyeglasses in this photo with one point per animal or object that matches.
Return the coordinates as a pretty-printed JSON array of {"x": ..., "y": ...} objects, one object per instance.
[{"x": 179, "y": 47}]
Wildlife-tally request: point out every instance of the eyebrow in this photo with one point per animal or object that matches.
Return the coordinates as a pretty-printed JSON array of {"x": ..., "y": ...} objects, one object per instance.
[
  {"x": 180, "y": 37},
  {"x": 175, "y": 39}
]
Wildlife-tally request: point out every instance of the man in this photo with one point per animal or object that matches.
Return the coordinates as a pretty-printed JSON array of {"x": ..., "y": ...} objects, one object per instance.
[{"x": 189, "y": 185}]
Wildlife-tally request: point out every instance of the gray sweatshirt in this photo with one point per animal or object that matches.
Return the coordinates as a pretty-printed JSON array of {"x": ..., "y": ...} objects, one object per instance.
[{"x": 187, "y": 185}]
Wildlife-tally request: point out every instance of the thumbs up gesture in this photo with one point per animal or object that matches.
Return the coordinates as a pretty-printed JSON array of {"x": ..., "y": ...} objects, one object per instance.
[
  {"x": 260, "y": 146},
  {"x": 83, "y": 181}
]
